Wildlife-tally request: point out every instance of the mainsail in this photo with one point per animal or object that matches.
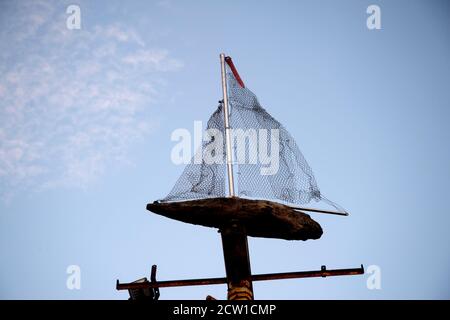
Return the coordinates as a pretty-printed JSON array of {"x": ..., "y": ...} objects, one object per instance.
[{"x": 290, "y": 180}]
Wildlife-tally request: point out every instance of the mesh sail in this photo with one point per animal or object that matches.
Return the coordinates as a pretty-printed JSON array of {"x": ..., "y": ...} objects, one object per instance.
[
  {"x": 267, "y": 162},
  {"x": 200, "y": 179}
]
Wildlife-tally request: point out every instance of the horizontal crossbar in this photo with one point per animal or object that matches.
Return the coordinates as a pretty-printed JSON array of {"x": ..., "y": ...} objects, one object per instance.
[{"x": 258, "y": 277}]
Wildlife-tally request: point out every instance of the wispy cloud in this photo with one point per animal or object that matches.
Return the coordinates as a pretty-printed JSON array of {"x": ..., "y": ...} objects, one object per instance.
[
  {"x": 158, "y": 60},
  {"x": 167, "y": 4},
  {"x": 71, "y": 101}
]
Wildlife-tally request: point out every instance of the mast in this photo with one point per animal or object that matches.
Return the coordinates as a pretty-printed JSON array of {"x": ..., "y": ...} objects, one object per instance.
[
  {"x": 234, "y": 237},
  {"x": 227, "y": 127}
]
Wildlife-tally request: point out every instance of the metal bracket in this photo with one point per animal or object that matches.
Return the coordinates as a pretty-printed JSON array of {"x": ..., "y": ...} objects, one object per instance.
[{"x": 153, "y": 280}]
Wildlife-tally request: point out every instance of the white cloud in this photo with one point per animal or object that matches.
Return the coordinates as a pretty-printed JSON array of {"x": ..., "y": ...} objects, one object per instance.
[
  {"x": 156, "y": 59},
  {"x": 167, "y": 4},
  {"x": 71, "y": 101}
]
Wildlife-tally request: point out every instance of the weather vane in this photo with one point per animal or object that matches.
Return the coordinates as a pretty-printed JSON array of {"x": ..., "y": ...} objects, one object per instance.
[{"x": 234, "y": 184}]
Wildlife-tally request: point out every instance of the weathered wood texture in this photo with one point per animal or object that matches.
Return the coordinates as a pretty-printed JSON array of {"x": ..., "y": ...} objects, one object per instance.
[{"x": 260, "y": 218}]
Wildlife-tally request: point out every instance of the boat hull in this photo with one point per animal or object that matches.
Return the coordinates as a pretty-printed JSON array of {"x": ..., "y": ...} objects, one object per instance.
[{"x": 260, "y": 218}]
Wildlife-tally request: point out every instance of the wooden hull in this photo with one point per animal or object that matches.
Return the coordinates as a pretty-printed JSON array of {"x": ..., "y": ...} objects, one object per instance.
[{"x": 260, "y": 218}]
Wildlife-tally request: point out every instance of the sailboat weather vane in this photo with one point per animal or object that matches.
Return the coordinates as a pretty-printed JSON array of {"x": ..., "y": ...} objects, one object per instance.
[{"x": 258, "y": 200}]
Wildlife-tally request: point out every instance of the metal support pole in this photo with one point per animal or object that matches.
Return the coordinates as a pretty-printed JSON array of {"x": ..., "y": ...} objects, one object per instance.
[
  {"x": 227, "y": 127},
  {"x": 237, "y": 263},
  {"x": 234, "y": 239},
  {"x": 319, "y": 211}
]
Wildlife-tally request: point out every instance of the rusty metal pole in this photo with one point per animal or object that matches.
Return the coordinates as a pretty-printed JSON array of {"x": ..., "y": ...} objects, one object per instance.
[{"x": 237, "y": 263}]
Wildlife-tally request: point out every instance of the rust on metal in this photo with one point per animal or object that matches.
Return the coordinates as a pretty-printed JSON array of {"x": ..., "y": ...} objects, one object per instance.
[
  {"x": 237, "y": 262},
  {"x": 258, "y": 277},
  {"x": 241, "y": 291}
]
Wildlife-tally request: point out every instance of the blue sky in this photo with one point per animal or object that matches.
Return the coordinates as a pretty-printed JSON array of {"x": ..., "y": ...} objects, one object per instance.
[{"x": 86, "y": 117}]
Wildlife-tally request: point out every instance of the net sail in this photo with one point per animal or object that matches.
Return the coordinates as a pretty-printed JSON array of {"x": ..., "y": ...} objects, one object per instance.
[{"x": 267, "y": 162}]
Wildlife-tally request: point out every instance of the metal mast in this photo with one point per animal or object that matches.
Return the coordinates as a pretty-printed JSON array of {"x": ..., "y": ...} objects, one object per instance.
[
  {"x": 234, "y": 238},
  {"x": 227, "y": 127}
]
